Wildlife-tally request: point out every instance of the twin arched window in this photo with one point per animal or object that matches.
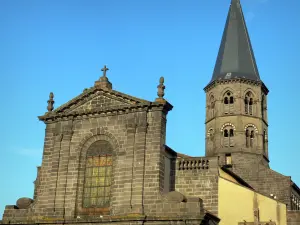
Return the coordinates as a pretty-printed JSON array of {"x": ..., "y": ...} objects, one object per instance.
[
  {"x": 264, "y": 141},
  {"x": 250, "y": 137},
  {"x": 263, "y": 106},
  {"x": 249, "y": 103},
  {"x": 212, "y": 106},
  {"x": 98, "y": 174},
  {"x": 228, "y": 137},
  {"x": 228, "y": 102}
]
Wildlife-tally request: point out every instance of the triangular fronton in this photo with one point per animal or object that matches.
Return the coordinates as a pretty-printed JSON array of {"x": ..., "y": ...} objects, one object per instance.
[{"x": 96, "y": 100}]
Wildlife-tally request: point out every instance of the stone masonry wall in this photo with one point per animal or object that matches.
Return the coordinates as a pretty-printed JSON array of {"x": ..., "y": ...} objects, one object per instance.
[
  {"x": 237, "y": 117},
  {"x": 138, "y": 139},
  {"x": 202, "y": 183},
  {"x": 254, "y": 170},
  {"x": 293, "y": 217}
]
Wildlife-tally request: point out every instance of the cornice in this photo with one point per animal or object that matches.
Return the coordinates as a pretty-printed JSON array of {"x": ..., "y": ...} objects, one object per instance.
[
  {"x": 236, "y": 80},
  {"x": 109, "y": 111},
  {"x": 239, "y": 114}
]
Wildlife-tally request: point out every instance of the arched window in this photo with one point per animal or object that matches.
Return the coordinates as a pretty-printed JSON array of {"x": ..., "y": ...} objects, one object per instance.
[
  {"x": 250, "y": 131},
  {"x": 264, "y": 139},
  {"x": 228, "y": 102},
  {"x": 252, "y": 138},
  {"x": 263, "y": 106},
  {"x": 98, "y": 174},
  {"x": 212, "y": 106},
  {"x": 210, "y": 134},
  {"x": 247, "y": 138},
  {"x": 249, "y": 103},
  {"x": 228, "y": 137}
]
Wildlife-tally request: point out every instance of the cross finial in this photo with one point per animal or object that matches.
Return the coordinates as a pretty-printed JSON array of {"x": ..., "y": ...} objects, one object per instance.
[
  {"x": 50, "y": 102},
  {"x": 103, "y": 82},
  {"x": 104, "y": 69}
]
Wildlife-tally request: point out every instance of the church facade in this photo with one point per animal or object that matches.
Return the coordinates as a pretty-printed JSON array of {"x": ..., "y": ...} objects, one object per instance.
[{"x": 105, "y": 158}]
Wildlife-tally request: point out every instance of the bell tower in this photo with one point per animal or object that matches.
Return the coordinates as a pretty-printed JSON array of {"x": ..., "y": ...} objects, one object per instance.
[{"x": 236, "y": 97}]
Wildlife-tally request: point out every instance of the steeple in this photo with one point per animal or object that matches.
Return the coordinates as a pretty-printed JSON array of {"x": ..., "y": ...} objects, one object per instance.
[{"x": 235, "y": 58}]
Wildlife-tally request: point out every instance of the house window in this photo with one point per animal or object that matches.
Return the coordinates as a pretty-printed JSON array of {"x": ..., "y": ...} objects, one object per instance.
[
  {"x": 228, "y": 159},
  {"x": 98, "y": 174},
  {"x": 228, "y": 102}
]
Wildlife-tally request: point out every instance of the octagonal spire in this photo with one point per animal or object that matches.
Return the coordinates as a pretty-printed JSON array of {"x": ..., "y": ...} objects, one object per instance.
[{"x": 235, "y": 58}]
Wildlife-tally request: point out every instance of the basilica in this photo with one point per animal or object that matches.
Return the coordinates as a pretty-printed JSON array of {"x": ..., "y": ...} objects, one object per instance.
[{"x": 105, "y": 158}]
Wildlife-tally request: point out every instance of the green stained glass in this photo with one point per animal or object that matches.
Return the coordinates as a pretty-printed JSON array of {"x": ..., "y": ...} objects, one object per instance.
[
  {"x": 87, "y": 192},
  {"x": 106, "y": 202},
  {"x": 108, "y": 181},
  {"x": 86, "y": 202},
  {"x": 101, "y": 181},
  {"x": 94, "y": 181},
  {"x": 107, "y": 191},
  {"x": 98, "y": 176},
  {"x": 88, "y": 172},
  {"x": 109, "y": 160},
  {"x": 96, "y": 161},
  {"x": 88, "y": 182},
  {"x": 89, "y": 162},
  {"x": 93, "y": 192},
  {"x": 102, "y": 161},
  {"x": 100, "y": 201},
  {"x": 93, "y": 201},
  {"x": 102, "y": 171},
  {"x": 108, "y": 171},
  {"x": 95, "y": 171},
  {"x": 100, "y": 191}
]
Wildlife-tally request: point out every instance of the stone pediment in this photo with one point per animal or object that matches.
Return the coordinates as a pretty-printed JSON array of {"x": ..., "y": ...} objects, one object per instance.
[{"x": 95, "y": 100}]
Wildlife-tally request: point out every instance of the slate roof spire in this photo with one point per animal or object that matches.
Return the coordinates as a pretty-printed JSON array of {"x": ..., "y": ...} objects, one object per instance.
[{"x": 235, "y": 58}]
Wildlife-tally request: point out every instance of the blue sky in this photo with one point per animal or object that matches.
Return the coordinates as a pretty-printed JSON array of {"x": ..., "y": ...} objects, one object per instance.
[{"x": 61, "y": 46}]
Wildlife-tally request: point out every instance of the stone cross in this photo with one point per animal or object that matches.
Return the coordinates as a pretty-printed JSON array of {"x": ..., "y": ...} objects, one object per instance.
[{"x": 104, "y": 69}]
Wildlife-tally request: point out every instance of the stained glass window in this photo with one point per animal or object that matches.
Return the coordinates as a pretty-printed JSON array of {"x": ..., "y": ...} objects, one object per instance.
[{"x": 98, "y": 174}]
